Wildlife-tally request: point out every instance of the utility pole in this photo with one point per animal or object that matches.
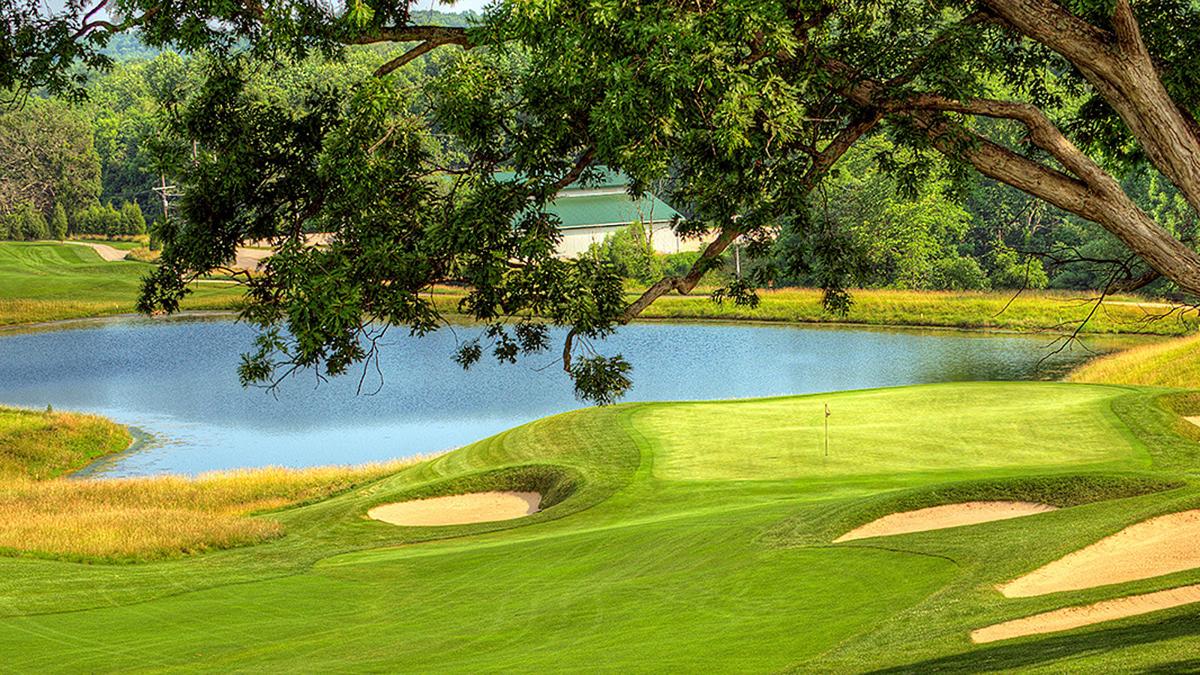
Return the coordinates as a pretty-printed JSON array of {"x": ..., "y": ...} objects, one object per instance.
[{"x": 162, "y": 192}]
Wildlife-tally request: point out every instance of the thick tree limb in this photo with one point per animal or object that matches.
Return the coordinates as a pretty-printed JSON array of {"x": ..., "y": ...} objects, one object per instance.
[
  {"x": 1136, "y": 283},
  {"x": 1091, "y": 193},
  {"x": 440, "y": 34},
  {"x": 421, "y": 49},
  {"x": 1120, "y": 67},
  {"x": 821, "y": 164}
]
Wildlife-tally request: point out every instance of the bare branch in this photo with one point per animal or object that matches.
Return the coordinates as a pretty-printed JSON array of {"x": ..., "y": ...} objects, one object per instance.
[{"x": 421, "y": 49}]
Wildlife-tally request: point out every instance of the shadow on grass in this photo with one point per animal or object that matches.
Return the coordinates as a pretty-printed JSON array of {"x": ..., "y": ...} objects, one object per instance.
[{"x": 1048, "y": 650}]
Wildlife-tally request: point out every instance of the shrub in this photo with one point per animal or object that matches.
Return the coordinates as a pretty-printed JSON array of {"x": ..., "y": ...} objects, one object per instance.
[
  {"x": 25, "y": 223},
  {"x": 679, "y": 264},
  {"x": 957, "y": 273},
  {"x": 630, "y": 253},
  {"x": 107, "y": 221},
  {"x": 33, "y": 224},
  {"x": 134, "y": 221},
  {"x": 1011, "y": 270},
  {"x": 143, "y": 254},
  {"x": 58, "y": 223}
]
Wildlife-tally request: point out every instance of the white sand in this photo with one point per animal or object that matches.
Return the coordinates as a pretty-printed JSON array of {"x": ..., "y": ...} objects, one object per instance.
[
  {"x": 250, "y": 258},
  {"x": 1151, "y": 548},
  {"x": 477, "y": 507},
  {"x": 1194, "y": 420},
  {"x": 108, "y": 253},
  {"x": 1076, "y": 617},
  {"x": 942, "y": 517}
]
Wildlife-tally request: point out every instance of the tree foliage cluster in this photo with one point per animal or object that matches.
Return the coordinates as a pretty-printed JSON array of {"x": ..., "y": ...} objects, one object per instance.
[{"x": 1077, "y": 120}]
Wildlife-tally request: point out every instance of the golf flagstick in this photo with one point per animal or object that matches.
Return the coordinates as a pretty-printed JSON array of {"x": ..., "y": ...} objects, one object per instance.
[{"x": 827, "y": 429}]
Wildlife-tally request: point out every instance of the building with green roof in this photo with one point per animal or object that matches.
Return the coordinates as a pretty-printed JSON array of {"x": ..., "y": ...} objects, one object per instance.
[{"x": 594, "y": 211}]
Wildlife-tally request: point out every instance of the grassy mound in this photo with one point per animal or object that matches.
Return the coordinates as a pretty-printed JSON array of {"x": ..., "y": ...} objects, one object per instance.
[
  {"x": 41, "y": 445},
  {"x": 687, "y": 536},
  {"x": 1175, "y": 363},
  {"x": 47, "y": 281}
]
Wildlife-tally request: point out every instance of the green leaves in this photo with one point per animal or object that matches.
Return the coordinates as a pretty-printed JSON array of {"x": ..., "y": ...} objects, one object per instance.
[{"x": 602, "y": 380}]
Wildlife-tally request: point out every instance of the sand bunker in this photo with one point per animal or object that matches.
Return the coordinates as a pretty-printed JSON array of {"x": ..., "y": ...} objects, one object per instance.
[
  {"x": 1076, "y": 617},
  {"x": 942, "y": 517},
  {"x": 1151, "y": 548},
  {"x": 1194, "y": 420},
  {"x": 477, "y": 507}
]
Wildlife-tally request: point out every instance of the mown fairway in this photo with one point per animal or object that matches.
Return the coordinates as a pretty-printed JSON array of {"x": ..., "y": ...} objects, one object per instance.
[
  {"x": 680, "y": 537},
  {"x": 47, "y": 281}
]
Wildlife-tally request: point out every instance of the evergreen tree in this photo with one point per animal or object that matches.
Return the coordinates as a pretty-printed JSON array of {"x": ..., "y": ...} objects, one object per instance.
[
  {"x": 58, "y": 222},
  {"x": 33, "y": 224},
  {"x": 132, "y": 220}
]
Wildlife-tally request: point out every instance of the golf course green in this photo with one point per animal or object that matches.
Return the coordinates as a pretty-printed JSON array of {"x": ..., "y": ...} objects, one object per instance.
[{"x": 675, "y": 537}]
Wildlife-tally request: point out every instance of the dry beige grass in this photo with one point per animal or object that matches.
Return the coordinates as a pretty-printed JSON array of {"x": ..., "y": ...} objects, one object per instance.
[
  {"x": 1173, "y": 363},
  {"x": 148, "y": 518}
]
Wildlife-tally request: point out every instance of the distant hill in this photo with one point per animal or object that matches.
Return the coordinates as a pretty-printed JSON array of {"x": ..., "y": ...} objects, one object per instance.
[{"x": 129, "y": 47}]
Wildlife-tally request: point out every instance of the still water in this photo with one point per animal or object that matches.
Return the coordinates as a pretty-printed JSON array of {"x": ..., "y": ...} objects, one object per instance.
[{"x": 177, "y": 381}]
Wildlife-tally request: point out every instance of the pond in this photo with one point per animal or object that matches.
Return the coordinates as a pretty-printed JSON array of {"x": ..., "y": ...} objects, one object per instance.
[{"x": 177, "y": 382}]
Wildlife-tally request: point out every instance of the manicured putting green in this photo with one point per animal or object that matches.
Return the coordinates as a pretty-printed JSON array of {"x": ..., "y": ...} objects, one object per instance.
[{"x": 919, "y": 429}]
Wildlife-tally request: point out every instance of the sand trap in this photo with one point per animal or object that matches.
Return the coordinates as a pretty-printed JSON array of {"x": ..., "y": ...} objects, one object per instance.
[
  {"x": 1194, "y": 420},
  {"x": 477, "y": 507},
  {"x": 942, "y": 517},
  {"x": 1151, "y": 548},
  {"x": 1076, "y": 617}
]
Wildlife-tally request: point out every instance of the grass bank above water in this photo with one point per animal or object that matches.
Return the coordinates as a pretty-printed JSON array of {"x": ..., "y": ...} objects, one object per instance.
[
  {"x": 44, "y": 514},
  {"x": 1173, "y": 363},
  {"x": 40, "y": 445},
  {"x": 47, "y": 281},
  {"x": 1028, "y": 312}
]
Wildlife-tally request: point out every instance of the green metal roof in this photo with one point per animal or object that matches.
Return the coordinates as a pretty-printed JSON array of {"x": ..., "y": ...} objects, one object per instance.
[
  {"x": 608, "y": 209},
  {"x": 579, "y": 205}
]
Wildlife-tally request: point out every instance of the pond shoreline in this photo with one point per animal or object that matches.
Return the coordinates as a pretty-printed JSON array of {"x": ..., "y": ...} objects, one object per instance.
[
  {"x": 176, "y": 378},
  {"x": 454, "y": 319}
]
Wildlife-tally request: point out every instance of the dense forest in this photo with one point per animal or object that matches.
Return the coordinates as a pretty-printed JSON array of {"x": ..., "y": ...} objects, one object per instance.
[{"x": 105, "y": 165}]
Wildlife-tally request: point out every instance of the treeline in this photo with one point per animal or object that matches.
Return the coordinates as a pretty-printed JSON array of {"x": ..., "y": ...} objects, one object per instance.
[
  {"x": 886, "y": 217},
  {"x": 104, "y": 162},
  {"x": 890, "y": 218},
  {"x": 51, "y": 183}
]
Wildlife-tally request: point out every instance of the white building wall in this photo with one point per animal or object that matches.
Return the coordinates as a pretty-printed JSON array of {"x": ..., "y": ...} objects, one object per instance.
[{"x": 577, "y": 239}]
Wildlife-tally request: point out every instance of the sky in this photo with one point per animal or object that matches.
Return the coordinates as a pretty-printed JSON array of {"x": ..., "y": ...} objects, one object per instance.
[
  {"x": 55, "y": 6},
  {"x": 460, "y": 6}
]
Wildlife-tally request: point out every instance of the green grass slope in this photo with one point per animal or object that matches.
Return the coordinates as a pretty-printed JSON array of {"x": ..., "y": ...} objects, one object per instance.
[
  {"x": 678, "y": 537},
  {"x": 44, "y": 444},
  {"x": 49, "y": 281}
]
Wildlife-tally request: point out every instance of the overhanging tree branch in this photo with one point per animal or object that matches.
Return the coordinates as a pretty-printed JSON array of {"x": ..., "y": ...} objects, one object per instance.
[{"x": 1092, "y": 193}]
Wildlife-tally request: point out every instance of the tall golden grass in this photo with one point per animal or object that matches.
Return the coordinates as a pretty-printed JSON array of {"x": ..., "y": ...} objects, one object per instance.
[
  {"x": 163, "y": 517},
  {"x": 1174, "y": 363}
]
